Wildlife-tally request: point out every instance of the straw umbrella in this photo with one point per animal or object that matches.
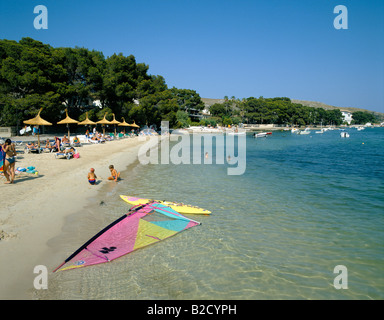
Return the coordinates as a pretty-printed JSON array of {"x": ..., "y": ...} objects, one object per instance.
[
  {"x": 87, "y": 122},
  {"x": 134, "y": 125},
  {"x": 124, "y": 124},
  {"x": 38, "y": 121},
  {"x": 103, "y": 122},
  {"x": 67, "y": 121},
  {"x": 114, "y": 122}
]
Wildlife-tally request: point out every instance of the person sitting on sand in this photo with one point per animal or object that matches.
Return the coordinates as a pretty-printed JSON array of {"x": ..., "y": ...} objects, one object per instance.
[
  {"x": 114, "y": 174},
  {"x": 92, "y": 176}
]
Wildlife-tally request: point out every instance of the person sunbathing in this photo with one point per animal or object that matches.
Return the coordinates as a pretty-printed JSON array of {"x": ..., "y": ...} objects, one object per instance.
[
  {"x": 76, "y": 140},
  {"x": 65, "y": 139},
  {"x": 68, "y": 150},
  {"x": 48, "y": 145}
]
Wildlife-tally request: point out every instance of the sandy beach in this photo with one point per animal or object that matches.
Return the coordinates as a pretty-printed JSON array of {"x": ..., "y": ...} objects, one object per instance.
[{"x": 33, "y": 209}]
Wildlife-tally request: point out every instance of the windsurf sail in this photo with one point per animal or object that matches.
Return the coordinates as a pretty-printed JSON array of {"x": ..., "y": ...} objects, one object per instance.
[{"x": 141, "y": 226}]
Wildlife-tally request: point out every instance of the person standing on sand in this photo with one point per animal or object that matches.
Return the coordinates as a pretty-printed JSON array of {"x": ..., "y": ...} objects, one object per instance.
[
  {"x": 114, "y": 174},
  {"x": 9, "y": 161},
  {"x": 92, "y": 176}
]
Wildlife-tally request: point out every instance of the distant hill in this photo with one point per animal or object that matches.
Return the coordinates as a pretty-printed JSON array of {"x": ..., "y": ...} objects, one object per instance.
[{"x": 208, "y": 102}]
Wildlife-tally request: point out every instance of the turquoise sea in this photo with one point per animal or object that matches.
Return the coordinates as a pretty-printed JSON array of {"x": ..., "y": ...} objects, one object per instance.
[{"x": 305, "y": 204}]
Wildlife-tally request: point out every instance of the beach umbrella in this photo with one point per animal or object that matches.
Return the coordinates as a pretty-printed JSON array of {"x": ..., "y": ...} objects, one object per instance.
[
  {"x": 103, "y": 122},
  {"x": 38, "y": 121},
  {"x": 124, "y": 124},
  {"x": 134, "y": 124},
  {"x": 67, "y": 121},
  {"x": 115, "y": 122},
  {"x": 87, "y": 122}
]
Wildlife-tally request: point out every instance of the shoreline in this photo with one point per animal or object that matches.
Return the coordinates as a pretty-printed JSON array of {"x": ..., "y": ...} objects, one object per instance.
[{"x": 35, "y": 208}]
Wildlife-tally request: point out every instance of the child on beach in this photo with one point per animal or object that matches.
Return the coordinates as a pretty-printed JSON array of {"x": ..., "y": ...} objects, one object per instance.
[
  {"x": 114, "y": 174},
  {"x": 92, "y": 176}
]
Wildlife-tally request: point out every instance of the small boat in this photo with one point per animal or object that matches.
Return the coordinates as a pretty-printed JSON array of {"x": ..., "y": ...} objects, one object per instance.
[
  {"x": 261, "y": 134},
  {"x": 294, "y": 130},
  {"x": 305, "y": 131},
  {"x": 344, "y": 134}
]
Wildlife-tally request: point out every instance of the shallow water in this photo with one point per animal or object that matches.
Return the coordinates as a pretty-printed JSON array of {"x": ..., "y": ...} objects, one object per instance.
[{"x": 305, "y": 204}]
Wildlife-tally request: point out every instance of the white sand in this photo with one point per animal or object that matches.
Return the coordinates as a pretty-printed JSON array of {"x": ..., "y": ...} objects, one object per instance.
[{"x": 34, "y": 207}]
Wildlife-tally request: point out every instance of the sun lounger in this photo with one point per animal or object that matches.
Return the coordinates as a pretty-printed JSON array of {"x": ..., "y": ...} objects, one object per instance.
[
  {"x": 33, "y": 150},
  {"x": 64, "y": 155}
]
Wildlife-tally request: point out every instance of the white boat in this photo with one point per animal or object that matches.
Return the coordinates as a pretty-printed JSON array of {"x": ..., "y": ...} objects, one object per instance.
[
  {"x": 261, "y": 134},
  {"x": 322, "y": 130},
  {"x": 305, "y": 131},
  {"x": 294, "y": 130},
  {"x": 360, "y": 128},
  {"x": 344, "y": 134}
]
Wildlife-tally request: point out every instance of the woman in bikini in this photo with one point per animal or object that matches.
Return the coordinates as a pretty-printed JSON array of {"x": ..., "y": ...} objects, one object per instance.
[{"x": 9, "y": 161}]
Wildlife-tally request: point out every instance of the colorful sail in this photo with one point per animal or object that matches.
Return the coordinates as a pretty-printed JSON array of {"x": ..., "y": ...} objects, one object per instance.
[{"x": 141, "y": 226}]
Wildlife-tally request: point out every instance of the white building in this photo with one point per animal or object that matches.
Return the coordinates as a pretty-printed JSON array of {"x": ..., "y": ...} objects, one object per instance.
[{"x": 347, "y": 116}]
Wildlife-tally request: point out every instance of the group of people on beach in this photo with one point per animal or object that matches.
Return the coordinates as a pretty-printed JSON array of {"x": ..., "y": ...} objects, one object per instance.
[
  {"x": 8, "y": 153},
  {"x": 8, "y": 158},
  {"x": 92, "y": 175}
]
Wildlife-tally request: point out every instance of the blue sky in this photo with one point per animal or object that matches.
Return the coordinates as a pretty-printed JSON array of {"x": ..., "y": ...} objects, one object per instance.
[{"x": 220, "y": 48}]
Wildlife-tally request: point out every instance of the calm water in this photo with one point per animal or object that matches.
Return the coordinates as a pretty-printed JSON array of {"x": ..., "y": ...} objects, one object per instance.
[{"x": 305, "y": 204}]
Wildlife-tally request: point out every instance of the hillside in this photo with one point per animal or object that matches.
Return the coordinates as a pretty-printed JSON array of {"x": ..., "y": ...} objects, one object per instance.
[{"x": 208, "y": 102}]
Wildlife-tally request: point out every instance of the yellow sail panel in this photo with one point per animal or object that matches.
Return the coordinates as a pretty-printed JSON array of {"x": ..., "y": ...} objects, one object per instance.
[{"x": 149, "y": 233}]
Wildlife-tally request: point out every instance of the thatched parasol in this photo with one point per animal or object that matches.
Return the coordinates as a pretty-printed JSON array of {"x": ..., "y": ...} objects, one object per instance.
[
  {"x": 103, "y": 122},
  {"x": 124, "y": 124},
  {"x": 114, "y": 122},
  {"x": 134, "y": 124},
  {"x": 87, "y": 122},
  {"x": 38, "y": 121},
  {"x": 67, "y": 121}
]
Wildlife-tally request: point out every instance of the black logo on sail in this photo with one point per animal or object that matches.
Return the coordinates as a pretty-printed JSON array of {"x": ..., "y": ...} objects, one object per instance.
[{"x": 106, "y": 250}]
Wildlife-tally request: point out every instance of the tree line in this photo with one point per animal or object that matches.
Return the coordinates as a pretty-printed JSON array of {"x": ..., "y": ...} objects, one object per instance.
[
  {"x": 280, "y": 110},
  {"x": 35, "y": 75}
]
